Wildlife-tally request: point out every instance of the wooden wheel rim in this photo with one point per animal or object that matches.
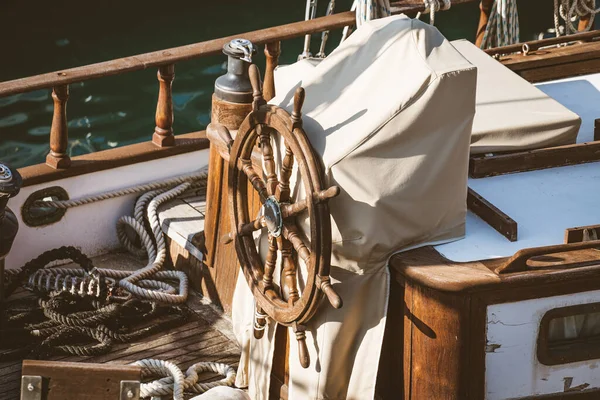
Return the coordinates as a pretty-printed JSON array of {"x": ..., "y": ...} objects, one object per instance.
[{"x": 320, "y": 236}]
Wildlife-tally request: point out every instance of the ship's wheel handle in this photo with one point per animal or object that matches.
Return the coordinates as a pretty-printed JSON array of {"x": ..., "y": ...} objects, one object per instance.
[{"x": 284, "y": 302}]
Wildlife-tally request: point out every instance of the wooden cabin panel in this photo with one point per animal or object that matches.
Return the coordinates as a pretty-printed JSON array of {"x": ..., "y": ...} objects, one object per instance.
[
  {"x": 390, "y": 379},
  {"x": 438, "y": 345},
  {"x": 80, "y": 381}
]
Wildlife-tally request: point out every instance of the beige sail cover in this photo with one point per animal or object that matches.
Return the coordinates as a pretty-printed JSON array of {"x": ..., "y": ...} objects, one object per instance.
[
  {"x": 390, "y": 114},
  {"x": 512, "y": 114}
]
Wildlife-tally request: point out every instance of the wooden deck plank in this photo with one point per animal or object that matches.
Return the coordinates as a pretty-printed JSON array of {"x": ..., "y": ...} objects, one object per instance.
[{"x": 207, "y": 336}]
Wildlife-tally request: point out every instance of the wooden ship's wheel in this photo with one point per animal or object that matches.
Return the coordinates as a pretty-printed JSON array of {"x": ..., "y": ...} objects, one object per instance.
[{"x": 284, "y": 303}]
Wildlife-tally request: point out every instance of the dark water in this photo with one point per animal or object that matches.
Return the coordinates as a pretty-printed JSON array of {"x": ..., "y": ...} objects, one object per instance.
[{"x": 41, "y": 36}]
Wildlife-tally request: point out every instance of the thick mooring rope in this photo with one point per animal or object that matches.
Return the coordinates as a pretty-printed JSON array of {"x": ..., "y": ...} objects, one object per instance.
[
  {"x": 72, "y": 318},
  {"x": 571, "y": 10},
  {"x": 502, "y": 28},
  {"x": 143, "y": 283},
  {"x": 175, "y": 383},
  {"x": 82, "y": 302}
]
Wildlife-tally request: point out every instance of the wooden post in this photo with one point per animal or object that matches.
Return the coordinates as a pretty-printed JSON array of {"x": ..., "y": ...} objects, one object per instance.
[
  {"x": 163, "y": 132},
  {"x": 486, "y": 8},
  {"x": 272, "y": 52},
  {"x": 59, "y": 138}
]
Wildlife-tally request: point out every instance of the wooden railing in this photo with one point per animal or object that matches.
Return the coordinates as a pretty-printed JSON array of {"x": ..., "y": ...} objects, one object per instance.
[{"x": 58, "y": 163}]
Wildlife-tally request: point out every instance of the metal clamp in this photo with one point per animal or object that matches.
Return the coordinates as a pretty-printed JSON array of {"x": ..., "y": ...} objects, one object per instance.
[
  {"x": 130, "y": 390},
  {"x": 31, "y": 387}
]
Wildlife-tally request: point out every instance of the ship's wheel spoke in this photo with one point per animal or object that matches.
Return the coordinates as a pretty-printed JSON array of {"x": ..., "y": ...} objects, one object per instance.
[
  {"x": 289, "y": 273},
  {"x": 270, "y": 261},
  {"x": 259, "y": 185},
  {"x": 247, "y": 229},
  {"x": 291, "y": 233},
  {"x": 264, "y": 134},
  {"x": 287, "y": 166}
]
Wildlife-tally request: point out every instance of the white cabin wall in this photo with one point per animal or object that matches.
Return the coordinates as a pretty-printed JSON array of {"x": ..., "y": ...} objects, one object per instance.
[
  {"x": 512, "y": 370},
  {"x": 92, "y": 227}
]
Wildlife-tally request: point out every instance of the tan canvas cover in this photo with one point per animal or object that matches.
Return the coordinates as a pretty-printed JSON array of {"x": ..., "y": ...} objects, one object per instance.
[
  {"x": 390, "y": 114},
  {"x": 512, "y": 114}
]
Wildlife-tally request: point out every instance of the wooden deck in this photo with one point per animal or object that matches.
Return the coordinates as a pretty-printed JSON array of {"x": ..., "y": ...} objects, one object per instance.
[{"x": 207, "y": 336}]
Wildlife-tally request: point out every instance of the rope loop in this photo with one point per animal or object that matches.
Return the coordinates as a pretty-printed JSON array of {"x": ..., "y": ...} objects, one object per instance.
[{"x": 173, "y": 382}]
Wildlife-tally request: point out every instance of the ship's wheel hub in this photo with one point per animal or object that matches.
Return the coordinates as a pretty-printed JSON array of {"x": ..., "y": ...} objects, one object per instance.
[{"x": 271, "y": 211}]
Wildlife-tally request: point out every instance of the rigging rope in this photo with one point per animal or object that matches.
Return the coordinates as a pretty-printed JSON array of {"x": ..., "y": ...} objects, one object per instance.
[
  {"x": 569, "y": 11},
  {"x": 502, "y": 28},
  {"x": 433, "y": 6}
]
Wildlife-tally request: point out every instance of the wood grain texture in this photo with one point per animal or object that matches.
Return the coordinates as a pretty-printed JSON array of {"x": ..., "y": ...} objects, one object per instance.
[
  {"x": 173, "y": 55},
  {"x": 491, "y": 214},
  {"x": 113, "y": 158},
  {"x": 581, "y": 233},
  {"x": 163, "y": 132},
  {"x": 444, "y": 330},
  {"x": 59, "y": 136},
  {"x": 536, "y": 44},
  {"x": 81, "y": 381},
  {"x": 207, "y": 336},
  {"x": 499, "y": 164},
  {"x": 272, "y": 52}
]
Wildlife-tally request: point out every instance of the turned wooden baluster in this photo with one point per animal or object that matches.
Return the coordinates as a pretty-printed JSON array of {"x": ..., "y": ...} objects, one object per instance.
[
  {"x": 289, "y": 289},
  {"x": 264, "y": 134},
  {"x": 298, "y": 103},
  {"x": 163, "y": 132},
  {"x": 260, "y": 320},
  {"x": 272, "y": 52},
  {"x": 59, "y": 137},
  {"x": 254, "y": 178},
  {"x": 254, "y": 75},
  {"x": 270, "y": 261},
  {"x": 302, "y": 349},
  {"x": 283, "y": 187}
]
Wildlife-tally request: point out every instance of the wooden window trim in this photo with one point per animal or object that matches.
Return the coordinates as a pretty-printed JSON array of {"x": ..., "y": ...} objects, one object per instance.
[
  {"x": 578, "y": 350},
  {"x": 113, "y": 158}
]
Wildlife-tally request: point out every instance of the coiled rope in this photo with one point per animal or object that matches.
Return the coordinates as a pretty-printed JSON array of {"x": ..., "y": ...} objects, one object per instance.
[
  {"x": 571, "y": 10},
  {"x": 502, "y": 28},
  {"x": 175, "y": 383},
  {"x": 143, "y": 283}
]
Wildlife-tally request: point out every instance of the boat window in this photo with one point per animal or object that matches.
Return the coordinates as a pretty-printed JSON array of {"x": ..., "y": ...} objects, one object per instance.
[
  {"x": 35, "y": 213},
  {"x": 570, "y": 334}
]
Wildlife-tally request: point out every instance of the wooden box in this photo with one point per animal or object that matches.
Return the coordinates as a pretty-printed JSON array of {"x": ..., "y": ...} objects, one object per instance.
[{"x": 477, "y": 330}]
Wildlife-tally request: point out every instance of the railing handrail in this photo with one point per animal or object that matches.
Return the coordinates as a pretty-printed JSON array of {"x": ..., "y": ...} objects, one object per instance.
[{"x": 172, "y": 55}]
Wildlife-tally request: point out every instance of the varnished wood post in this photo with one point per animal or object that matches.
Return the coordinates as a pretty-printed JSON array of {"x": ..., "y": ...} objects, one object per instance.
[
  {"x": 486, "y": 8},
  {"x": 163, "y": 132},
  {"x": 272, "y": 52},
  {"x": 59, "y": 138}
]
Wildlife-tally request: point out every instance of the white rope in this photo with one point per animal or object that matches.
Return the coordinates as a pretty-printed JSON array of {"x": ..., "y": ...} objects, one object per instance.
[
  {"x": 502, "y": 28},
  {"x": 433, "y": 6},
  {"x": 123, "y": 192},
  {"x": 173, "y": 381},
  {"x": 571, "y": 10},
  {"x": 143, "y": 283},
  {"x": 367, "y": 10}
]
